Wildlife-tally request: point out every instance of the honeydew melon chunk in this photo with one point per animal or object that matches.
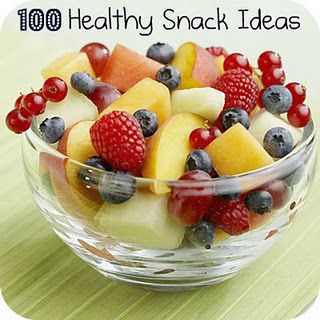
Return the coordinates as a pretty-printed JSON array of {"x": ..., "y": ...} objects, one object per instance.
[
  {"x": 143, "y": 220},
  {"x": 66, "y": 65},
  {"x": 264, "y": 120},
  {"x": 74, "y": 108},
  {"x": 206, "y": 102}
]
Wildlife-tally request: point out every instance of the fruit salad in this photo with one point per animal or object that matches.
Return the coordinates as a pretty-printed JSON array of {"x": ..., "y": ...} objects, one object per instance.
[{"x": 179, "y": 121}]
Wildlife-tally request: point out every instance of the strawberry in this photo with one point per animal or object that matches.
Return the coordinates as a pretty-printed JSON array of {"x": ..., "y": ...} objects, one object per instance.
[
  {"x": 117, "y": 137},
  {"x": 240, "y": 89},
  {"x": 231, "y": 216}
]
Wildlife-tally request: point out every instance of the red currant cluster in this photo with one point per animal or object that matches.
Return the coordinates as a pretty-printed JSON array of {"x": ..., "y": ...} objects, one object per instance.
[
  {"x": 270, "y": 65},
  {"x": 33, "y": 104}
]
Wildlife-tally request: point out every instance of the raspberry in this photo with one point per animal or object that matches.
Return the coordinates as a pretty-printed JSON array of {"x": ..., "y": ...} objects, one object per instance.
[
  {"x": 217, "y": 51},
  {"x": 117, "y": 137},
  {"x": 240, "y": 89},
  {"x": 231, "y": 216}
]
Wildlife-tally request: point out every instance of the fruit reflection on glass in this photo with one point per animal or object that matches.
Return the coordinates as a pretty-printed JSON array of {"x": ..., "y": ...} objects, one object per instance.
[{"x": 158, "y": 151}]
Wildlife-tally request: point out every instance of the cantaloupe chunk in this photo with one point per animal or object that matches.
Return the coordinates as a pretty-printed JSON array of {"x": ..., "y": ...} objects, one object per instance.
[
  {"x": 146, "y": 94},
  {"x": 143, "y": 220},
  {"x": 65, "y": 66},
  {"x": 197, "y": 66},
  {"x": 236, "y": 151},
  {"x": 125, "y": 68}
]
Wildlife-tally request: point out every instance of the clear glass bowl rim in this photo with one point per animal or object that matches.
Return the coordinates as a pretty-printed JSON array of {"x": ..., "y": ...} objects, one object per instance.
[{"x": 33, "y": 134}]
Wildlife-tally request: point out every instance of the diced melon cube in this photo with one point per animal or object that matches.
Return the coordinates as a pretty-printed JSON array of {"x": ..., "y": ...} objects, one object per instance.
[
  {"x": 236, "y": 151},
  {"x": 206, "y": 102},
  {"x": 125, "y": 68},
  {"x": 143, "y": 220},
  {"x": 264, "y": 120},
  {"x": 74, "y": 108},
  {"x": 146, "y": 94},
  {"x": 65, "y": 66}
]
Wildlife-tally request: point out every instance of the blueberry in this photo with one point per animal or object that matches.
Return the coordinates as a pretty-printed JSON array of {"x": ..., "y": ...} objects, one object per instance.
[
  {"x": 148, "y": 121},
  {"x": 201, "y": 234},
  {"x": 52, "y": 129},
  {"x": 233, "y": 116},
  {"x": 169, "y": 76},
  {"x": 199, "y": 160},
  {"x": 117, "y": 187},
  {"x": 259, "y": 201},
  {"x": 161, "y": 52},
  {"x": 278, "y": 142},
  {"x": 228, "y": 188},
  {"x": 83, "y": 82},
  {"x": 90, "y": 177},
  {"x": 98, "y": 163},
  {"x": 277, "y": 99}
]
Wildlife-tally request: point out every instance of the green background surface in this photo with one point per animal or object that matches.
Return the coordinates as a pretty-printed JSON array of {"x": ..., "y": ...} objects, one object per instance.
[{"x": 42, "y": 279}]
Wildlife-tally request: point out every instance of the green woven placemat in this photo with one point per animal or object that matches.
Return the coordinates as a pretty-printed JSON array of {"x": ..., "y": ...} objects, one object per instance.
[{"x": 42, "y": 279}]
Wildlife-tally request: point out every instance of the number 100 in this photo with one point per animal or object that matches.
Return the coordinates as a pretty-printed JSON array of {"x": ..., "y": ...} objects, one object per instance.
[{"x": 36, "y": 20}]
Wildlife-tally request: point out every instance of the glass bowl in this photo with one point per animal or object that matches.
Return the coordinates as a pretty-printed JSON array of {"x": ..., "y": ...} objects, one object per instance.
[{"x": 152, "y": 256}]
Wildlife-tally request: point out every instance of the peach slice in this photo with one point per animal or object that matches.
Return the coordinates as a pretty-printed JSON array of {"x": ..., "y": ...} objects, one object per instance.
[
  {"x": 65, "y": 66},
  {"x": 72, "y": 194},
  {"x": 146, "y": 94},
  {"x": 219, "y": 62},
  {"x": 196, "y": 65},
  {"x": 169, "y": 147}
]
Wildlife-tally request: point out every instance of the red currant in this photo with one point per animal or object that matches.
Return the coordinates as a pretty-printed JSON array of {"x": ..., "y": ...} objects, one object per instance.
[
  {"x": 298, "y": 92},
  {"x": 299, "y": 115},
  {"x": 18, "y": 103},
  {"x": 34, "y": 103},
  {"x": 54, "y": 89},
  {"x": 17, "y": 122},
  {"x": 273, "y": 76},
  {"x": 268, "y": 60},
  {"x": 200, "y": 138},
  {"x": 261, "y": 92},
  {"x": 98, "y": 55},
  {"x": 235, "y": 61}
]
